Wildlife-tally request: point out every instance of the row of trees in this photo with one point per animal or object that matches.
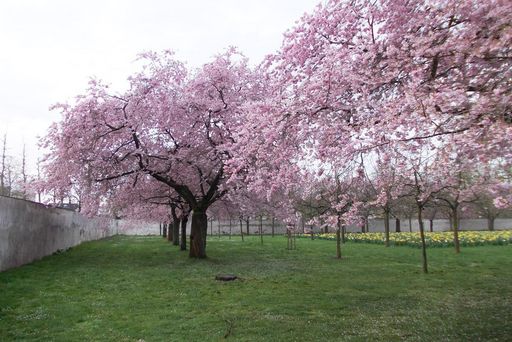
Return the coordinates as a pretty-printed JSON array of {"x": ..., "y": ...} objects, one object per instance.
[{"x": 365, "y": 104}]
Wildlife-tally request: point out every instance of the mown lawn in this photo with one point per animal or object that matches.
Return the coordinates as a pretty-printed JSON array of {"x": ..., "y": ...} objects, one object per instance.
[{"x": 142, "y": 288}]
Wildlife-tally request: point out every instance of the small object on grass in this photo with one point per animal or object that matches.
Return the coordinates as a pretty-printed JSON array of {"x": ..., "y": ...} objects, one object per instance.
[{"x": 225, "y": 277}]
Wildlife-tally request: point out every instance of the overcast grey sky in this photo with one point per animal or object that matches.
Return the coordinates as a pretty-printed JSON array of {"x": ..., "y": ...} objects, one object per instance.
[{"x": 50, "y": 48}]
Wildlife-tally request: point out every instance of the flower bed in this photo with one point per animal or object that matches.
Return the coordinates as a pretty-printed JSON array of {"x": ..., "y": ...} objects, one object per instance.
[{"x": 436, "y": 239}]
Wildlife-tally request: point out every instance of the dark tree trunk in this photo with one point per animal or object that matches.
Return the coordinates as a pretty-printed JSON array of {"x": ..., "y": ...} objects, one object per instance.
[
  {"x": 160, "y": 226},
  {"x": 456, "y": 242},
  {"x": 294, "y": 240},
  {"x": 386, "y": 227},
  {"x": 175, "y": 226},
  {"x": 169, "y": 232},
  {"x": 338, "y": 239},
  {"x": 261, "y": 229},
  {"x": 422, "y": 235},
  {"x": 164, "y": 230},
  {"x": 247, "y": 226},
  {"x": 218, "y": 229},
  {"x": 273, "y": 225},
  {"x": 367, "y": 225},
  {"x": 198, "y": 231},
  {"x": 183, "y": 244},
  {"x": 176, "y": 232},
  {"x": 205, "y": 233},
  {"x": 230, "y": 227},
  {"x": 431, "y": 225},
  {"x": 397, "y": 225},
  {"x": 343, "y": 231},
  {"x": 241, "y": 230},
  {"x": 490, "y": 223},
  {"x": 211, "y": 227},
  {"x": 410, "y": 224}
]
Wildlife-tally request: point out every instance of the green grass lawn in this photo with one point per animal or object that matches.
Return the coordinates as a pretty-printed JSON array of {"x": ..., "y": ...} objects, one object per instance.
[{"x": 142, "y": 288}]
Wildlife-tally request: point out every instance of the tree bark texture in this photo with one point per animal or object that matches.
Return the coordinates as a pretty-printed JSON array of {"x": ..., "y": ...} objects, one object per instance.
[
  {"x": 456, "y": 242},
  {"x": 176, "y": 232},
  {"x": 241, "y": 230},
  {"x": 490, "y": 223},
  {"x": 422, "y": 235},
  {"x": 261, "y": 229},
  {"x": 183, "y": 240},
  {"x": 198, "y": 231},
  {"x": 169, "y": 232},
  {"x": 338, "y": 239},
  {"x": 386, "y": 227}
]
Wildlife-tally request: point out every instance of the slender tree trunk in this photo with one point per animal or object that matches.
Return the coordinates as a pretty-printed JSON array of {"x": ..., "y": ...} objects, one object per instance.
[
  {"x": 241, "y": 230},
  {"x": 247, "y": 225},
  {"x": 431, "y": 222},
  {"x": 198, "y": 231},
  {"x": 175, "y": 226},
  {"x": 338, "y": 239},
  {"x": 367, "y": 225},
  {"x": 490, "y": 223},
  {"x": 230, "y": 227},
  {"x": 183, "y": 244},
  {"x": 211, "y": 227},
  {"x": 160, "y": 226},
  {"x": 164, "y": 229},
  {"x": 386, "y": 227},
  {"x": 273, "y": 225},
  {"x": 343, "y": 231},
  {"x": 176, "y": 232},
  {"x": 410, "y": 224},
  {"x": 169, "y": 232},
  {"x": 219, "y": 228},
  {"x": 261, "y": 229},
  {"x": 397, "y": 225},
  {"x": 422, "y": 235},
  {"x": 289, "y": 240},
  {"x": 456, "y": 242}
]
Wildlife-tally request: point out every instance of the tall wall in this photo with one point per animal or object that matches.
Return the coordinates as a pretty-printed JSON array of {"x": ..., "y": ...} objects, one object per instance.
[
  {"x": 30, "y": 231},
  {"x": 135, "y": 227}
]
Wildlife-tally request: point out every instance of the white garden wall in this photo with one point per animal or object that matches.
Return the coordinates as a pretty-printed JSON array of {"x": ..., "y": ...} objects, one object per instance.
[{"x": 30, "y": 231}]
